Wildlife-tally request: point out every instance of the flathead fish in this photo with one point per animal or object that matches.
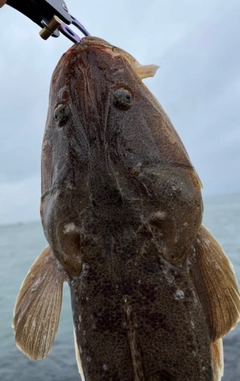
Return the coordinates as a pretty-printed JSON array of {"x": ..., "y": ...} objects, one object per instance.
[{"x": 152, "y": 291}]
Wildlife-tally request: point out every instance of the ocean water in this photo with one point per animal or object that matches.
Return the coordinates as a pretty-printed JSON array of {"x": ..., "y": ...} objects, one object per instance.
[{"x": 20, "y": 244}]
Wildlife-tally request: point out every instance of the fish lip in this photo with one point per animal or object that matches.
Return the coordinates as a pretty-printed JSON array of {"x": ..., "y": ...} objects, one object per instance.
[
  {"x": 98, "y": 43},
  {"x": 95, "y": 43}
]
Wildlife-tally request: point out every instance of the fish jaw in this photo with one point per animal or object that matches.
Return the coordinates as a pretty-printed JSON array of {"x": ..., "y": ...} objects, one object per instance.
[{"x": 142, "y": 71}]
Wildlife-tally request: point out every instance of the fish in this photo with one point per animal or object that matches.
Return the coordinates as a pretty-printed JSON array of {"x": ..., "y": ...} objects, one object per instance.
[{"x": 152, "y": 291}]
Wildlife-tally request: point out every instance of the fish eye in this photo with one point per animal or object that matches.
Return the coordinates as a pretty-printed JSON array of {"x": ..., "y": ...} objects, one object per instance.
[
  {"x": 122, "y": 98},
  {"x": 61, "y": 114}
]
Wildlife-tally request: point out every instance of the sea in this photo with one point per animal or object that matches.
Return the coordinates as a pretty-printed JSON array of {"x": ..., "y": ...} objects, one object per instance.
[{"x": 21, "y": 243}]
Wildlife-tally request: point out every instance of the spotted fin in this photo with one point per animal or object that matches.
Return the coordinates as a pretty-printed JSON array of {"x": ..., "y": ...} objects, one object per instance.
[
  {"x": 216, "y": 285},
  {"x": 217, "y": 359},
  {"x": 38, "y": 306}
]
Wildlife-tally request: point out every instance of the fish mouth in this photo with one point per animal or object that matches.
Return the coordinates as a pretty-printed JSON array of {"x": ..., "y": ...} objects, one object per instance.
[{"x": 142, "y": 71}]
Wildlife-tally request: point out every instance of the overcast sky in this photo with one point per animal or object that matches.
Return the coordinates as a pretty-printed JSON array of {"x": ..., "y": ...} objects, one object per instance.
[{"x": 197, "y": 45}]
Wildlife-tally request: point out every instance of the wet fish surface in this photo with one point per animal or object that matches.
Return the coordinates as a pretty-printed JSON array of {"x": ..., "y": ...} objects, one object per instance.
[{"x": 152, "y": 291}]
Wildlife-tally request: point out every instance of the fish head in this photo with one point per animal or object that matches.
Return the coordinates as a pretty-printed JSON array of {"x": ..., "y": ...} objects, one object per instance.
[{"x": 107, "y": 138}]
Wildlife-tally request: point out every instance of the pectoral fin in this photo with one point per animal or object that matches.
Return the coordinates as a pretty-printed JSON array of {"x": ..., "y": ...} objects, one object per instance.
[
  {"x": 216, "y": 285},
  {"x": 38, "y": 306},
  {"x": 217, "y": 359}
]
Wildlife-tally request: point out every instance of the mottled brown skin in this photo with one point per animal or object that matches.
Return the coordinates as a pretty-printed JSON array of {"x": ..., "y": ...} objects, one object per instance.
[{"x": 121, "y": 207}]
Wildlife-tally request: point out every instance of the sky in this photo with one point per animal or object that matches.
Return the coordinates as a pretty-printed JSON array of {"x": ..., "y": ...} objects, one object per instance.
[{"x": 196, "y": 43}]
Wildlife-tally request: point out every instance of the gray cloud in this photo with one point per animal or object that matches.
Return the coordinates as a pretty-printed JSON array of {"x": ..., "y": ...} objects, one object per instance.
[{"x": 197, "y": 46}]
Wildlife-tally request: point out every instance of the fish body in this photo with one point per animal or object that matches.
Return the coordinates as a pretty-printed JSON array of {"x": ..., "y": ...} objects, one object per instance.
[{"x": 152, "y": 291}]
